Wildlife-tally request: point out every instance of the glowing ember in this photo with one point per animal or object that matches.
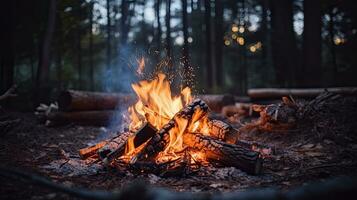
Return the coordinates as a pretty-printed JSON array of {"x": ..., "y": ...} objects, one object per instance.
[{"x": 141, "y": 65}]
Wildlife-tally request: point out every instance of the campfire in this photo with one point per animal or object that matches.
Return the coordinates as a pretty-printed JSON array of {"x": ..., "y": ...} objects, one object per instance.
[{"x": 173, "y": 135}]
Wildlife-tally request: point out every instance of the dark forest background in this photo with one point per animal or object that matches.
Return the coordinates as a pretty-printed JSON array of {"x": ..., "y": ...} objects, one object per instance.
[{"x": 223, "y": 46}]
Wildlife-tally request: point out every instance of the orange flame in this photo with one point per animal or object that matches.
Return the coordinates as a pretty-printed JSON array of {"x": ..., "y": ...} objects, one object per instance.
[{"x": 157, "y": 105}]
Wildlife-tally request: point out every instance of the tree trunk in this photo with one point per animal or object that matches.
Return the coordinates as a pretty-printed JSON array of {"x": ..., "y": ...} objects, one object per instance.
[
  {"x": 284, "y": 47},
  {"x": 124, "y": 22},
  {"x": 44, "y": 60},
  {"x": 310, "y": 76},
  {"x": 185, "y": 52},
  {"x": 91, "y": 67},
  {"x": 79, "y": 48},
  {"x": 59, "y": 36},
  {"x": 159, "y": 31},
  {"x": 7, "y": 38},
  {"x": 168, "y": 35},
  {"x": 208, "y": 30},
  {"x": 109, "y": 37},
  {"x": 331, "y": 31},
  {"x": 219, "y": 32}
]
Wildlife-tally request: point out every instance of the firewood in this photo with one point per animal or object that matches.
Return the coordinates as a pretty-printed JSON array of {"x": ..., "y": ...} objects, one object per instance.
[
  {"x": 116, "y": 147},
  {"x": 223, "y": 131},
  {"x": 271, "y": 93},
  {"x": 92, "y": 150},
  {"x": 72, "y": 100},
  {"x": 216, "y": 102},
  {"x": 162, "y": 137},
  {"x": 93, "y": 118},
  {"x": 226, "y": 154}
]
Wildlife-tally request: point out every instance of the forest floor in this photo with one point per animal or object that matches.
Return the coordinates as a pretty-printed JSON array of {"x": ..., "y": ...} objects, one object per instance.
[{"x": 53, "y": 153}]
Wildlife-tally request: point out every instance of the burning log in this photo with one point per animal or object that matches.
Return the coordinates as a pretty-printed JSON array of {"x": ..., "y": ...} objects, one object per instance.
[
  {"x": 94, "y": 118},
  {"x": 227, "y": 154},
  {"x": 116, "y": 147},
  {"x": 216, "y": 102},
  {"x": 161, "y": 139},
  {"x": 92, "y": 150},
  {"x": 72, "y": 100},
  {"x": 223, "y": 131}
]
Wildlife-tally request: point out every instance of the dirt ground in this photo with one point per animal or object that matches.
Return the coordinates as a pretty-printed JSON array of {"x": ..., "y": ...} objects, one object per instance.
[{"x": 297, "y": 158}]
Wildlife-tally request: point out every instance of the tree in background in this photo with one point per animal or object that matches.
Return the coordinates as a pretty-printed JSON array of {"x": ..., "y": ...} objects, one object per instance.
[
  {"x": 310, "y": 74},
  {"x": 219, "y": 33},
  {"x": 185, "y": 50},
  {"x": 208, "y": 35},
  {"x": 168, "y": 47},
  {"x": 109, "y": 35},
  {"x": 43, "y": 69},
  {"x": 7, "y": 52},
  {"x": 158, "y": 30},
  {"x": 284, "y": 47}
]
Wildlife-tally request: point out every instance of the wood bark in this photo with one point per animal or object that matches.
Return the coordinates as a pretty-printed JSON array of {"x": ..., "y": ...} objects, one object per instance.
[
  {"x": 226, "y": 154},
  {"x": 271, "y": 93},
  {"x": 223, "y": 131},
  {"x": 74, "y": 100},
  {"x": 159, "y": 141},
  {"x": 92, "y": 118}
]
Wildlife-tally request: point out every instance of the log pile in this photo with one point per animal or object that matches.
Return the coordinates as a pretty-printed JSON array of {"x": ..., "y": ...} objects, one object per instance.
[
  {"x": 220, "y": 148},
  {"x": 97, "y": 108}
]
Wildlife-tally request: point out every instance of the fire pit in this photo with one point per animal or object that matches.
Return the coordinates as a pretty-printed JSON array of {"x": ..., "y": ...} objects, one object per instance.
[{"x": 173, "y": 135}]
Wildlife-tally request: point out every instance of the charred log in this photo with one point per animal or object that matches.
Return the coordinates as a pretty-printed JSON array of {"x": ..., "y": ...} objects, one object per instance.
[
  {"x": 116, "y": 144},
  {"x": 116, "y": 147},
  {"x": 226, "y": 154}
]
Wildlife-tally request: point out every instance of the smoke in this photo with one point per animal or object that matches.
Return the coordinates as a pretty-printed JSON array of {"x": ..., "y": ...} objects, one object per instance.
[{"x": 118, "y": 77}]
